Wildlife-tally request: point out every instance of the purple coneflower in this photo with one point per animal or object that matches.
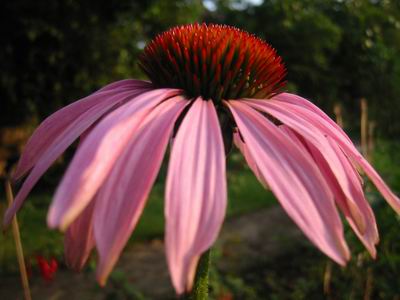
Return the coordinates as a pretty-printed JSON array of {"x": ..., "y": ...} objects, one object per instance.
[{"x": 210, "y": 86}]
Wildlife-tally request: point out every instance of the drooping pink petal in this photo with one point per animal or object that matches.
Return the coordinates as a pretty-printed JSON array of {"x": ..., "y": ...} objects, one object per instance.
[
  {"x": 195, "y": 192},
  {"x": 249, "y": 158},
  {"x": 56, "y": 124},
  {"x": 297, "y": 100},
  {"x": 369, "y": 236},
  {"x": 61, "y": 142},
  {"x": 316, "y": 138},
  {"x": 300, "y": 101},
  {"x": 127, "y": 83},
  {"x": 331, "y": 163},
  {"x": 353, "y": 209},
  {"x": 79, "y": 239},
  {"x": 122, "y": 197},
  {"x": 97, "y": 154},
  {"x": 306, "y": 122},
  {"x": 294, "y": 178}
]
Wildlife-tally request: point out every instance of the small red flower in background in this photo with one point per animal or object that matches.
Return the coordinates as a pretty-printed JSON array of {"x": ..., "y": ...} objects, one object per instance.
[
  {"x": 225, "y": 296},
  {"x": 47, "y": 268}
]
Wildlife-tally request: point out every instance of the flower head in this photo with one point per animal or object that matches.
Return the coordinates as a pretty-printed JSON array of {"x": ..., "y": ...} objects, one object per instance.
[
  {"x": 200, "y": 75},
  {"x": 214, "y": 62}
]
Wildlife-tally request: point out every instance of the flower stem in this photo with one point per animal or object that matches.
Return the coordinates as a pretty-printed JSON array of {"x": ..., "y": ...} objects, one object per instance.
[
  {"x": 18, "y": 245},
  {"x": 200, "y": 286}
]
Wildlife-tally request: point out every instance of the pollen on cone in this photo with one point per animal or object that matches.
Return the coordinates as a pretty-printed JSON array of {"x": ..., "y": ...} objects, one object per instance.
[{"x": 213, "y": 61}]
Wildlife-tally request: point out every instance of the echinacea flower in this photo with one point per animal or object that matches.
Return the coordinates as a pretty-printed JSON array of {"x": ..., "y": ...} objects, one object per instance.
[{"x": 210, "y": 85}]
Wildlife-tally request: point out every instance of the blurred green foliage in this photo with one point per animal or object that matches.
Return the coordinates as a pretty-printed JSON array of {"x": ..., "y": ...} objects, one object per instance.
[
  {"x": 335, "y": 50},
  {"x": 54, "y": 52}
]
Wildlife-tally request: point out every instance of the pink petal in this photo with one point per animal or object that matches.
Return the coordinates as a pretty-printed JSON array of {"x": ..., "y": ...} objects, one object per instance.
[
  {"x": 358, "y": 206},
  {"x": 195, "y": 192},
  {"x": 295, "y": 180},
  {"x": 127, "y": 83},
  {"x": 97, "y": 154},
  {"x": 61, "y": 142},
  {"x": 350, "y": 189},
  {"x": 251, "y": 162},
  {"x": 79, "y": 239},
  {"x": 307, "y": 122},
  {"x": 353, "y": 209},
  {"x": 45, "y": 135},
  {"x": 297, "y": 100},
  {"x": 302, "y": 102},
  {"x": 123, "y": 195}
]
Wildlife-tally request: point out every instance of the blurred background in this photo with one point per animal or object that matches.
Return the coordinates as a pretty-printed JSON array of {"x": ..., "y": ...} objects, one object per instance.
[{"x": 344, "y": 55}]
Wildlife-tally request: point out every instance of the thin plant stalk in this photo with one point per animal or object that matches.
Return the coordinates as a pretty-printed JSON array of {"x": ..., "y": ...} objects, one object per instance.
[
  {"x": 200, "y": 286},
  {"x": 337, "y": 109},
  {"x": 18, "y": 245},
  {"x": 369, "y": 284},
  {"x": 371, "y": 141},
  {"x": 364, "y": 127},
  {"x": 328, "y": 278}
]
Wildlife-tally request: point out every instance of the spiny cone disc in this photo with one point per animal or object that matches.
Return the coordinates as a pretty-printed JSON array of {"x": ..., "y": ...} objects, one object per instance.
[{"x": 213, "y": 61}]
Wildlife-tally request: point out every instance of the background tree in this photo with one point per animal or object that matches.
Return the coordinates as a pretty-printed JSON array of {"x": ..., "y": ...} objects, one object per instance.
[
  {"x": 56, "y": 51},
  {"x": 335, "y": 50}
]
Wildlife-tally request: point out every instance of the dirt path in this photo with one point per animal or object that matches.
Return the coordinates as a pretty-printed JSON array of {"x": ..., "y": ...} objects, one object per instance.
[{"x": 261, "y": 234}]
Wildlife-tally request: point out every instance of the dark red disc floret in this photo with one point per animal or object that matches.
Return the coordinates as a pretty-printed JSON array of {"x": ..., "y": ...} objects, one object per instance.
[{"x": 213, "y": 61}]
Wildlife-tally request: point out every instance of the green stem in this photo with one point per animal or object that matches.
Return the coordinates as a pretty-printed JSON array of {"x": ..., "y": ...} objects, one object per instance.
[{"x": 200, "y": 285}]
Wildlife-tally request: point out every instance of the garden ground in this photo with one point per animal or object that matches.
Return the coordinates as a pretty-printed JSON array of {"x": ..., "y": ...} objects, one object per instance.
[{"x": 142, "y": 268}]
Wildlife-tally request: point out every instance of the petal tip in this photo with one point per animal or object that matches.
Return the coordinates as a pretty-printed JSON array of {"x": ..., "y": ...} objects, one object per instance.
[
  {"x": 102, "y": 273},
  {"x": 343, "y": 257},
  {"x": 341, "y": 262},
  {"x": 346, "y": 258},
  {"x": 372, "y": 251},
  {"x": 102, "y": 281},
  {"x": 53, "y": 221},
  {"x": 179, "y": 287},
  {"x": 105, "y": 266}
]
